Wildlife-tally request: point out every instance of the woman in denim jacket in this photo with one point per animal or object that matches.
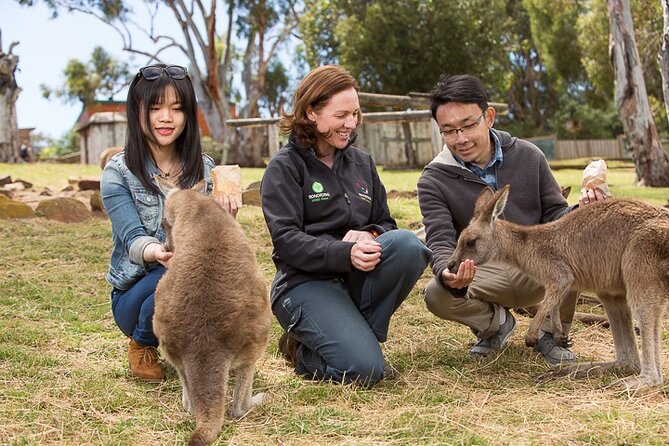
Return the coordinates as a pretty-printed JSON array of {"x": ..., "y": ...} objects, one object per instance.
[{"x": 162, "y": 140}]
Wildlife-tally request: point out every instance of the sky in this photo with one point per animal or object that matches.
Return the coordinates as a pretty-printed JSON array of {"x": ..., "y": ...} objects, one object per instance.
[{"x": 45, "y": 47}]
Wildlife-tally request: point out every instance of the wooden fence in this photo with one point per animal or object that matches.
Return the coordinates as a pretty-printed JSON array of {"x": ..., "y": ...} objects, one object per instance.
[
  {"x": 410, "y": 138},
  {"x": 582, "y": 148}
]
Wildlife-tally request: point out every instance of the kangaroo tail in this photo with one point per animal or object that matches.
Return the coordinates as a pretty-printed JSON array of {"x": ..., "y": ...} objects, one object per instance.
[{"x": 208, "y": 400}]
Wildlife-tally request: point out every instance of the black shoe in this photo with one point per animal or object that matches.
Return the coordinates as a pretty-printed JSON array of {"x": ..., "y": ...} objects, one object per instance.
[
  {"x": 288, "y": 348},
  {"x": 553, "y": 353},
  {"x": 494, "y": 343}
]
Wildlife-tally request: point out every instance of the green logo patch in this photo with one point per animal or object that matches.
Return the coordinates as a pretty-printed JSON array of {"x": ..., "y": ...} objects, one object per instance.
[{"x": 317, "y": 187}]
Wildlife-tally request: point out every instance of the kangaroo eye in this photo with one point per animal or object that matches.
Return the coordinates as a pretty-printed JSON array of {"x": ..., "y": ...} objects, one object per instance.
[{"x": 470, "y": 243}]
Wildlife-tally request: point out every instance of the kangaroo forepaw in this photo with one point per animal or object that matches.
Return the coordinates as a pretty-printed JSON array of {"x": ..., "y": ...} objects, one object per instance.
[
  {"x": 531, "y": 340},
  {"x": 563, "y": 341}
]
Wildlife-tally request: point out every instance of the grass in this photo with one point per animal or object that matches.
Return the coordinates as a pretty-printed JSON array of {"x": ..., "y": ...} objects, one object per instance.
[{"x": 64, "y": 377}]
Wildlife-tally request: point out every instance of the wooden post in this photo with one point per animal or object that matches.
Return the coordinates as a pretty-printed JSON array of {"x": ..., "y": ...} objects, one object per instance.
[{"x": 273, "y": 139}]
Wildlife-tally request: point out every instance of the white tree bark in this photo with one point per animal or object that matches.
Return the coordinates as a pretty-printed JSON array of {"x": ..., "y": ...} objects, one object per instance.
[
  {"x": 9, "y": 93},
  {"x": 663, "y": 56},
  {"x": 652, "y": 162}
]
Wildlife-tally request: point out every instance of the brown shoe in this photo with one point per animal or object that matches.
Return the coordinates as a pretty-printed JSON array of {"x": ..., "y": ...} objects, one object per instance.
[
  {"x": 288, "y": 348},
  {"x": 144, "y": 363}
]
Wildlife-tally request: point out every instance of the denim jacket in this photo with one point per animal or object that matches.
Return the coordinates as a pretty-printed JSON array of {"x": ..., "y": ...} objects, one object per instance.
[{"x": 136, "y": 216}]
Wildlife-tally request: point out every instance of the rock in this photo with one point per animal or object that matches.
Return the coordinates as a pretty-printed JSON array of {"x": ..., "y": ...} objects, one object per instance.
[
  {"x": 47, "y": 192},
  {"x": 251, "y": 197},
  {"x": 401, "y": 194},
  {"x": 89, "y": 183},
  {"x": 5, "y": 180},
  {"x": 15, "y": 186},
  {"x": 6, "y": 192},
  {"x": 26, "y": 184},
  {"x": 96, "y": 203},
  {"x": 14, "y": 209},
  {"x": 64, "y": 209},
  {"x": 254, "y": 185}
]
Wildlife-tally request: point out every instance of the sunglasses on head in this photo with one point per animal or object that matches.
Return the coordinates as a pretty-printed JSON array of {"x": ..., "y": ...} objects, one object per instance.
[{"x": 153, "y": 72}]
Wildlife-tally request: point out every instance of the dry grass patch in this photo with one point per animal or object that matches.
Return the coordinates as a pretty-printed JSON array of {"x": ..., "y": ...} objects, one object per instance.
[{"x": 64, "y": 377}]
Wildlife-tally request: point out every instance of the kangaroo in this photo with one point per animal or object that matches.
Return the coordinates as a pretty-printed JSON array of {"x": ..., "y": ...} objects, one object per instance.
[
  {"x": 618, "y": 248},
  {"x": 212, "y": 312}
]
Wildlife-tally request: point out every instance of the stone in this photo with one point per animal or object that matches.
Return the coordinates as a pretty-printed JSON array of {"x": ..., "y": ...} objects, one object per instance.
[
  {"x": 63, "y": 209},
  {"x": 89, "y": 183},
  {"x": 5, "y": 180},
  {"x": 8, "y": 193},
  {"x": 14, "y": 209},
  {"x": 96, "y": 203},
  {"x": 251, "y": 197}
]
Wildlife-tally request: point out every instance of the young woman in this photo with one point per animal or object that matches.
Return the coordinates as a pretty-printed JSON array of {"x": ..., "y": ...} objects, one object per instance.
[
  {"x": 343, "y": 267},
  {"x": 163, "y": 140}
]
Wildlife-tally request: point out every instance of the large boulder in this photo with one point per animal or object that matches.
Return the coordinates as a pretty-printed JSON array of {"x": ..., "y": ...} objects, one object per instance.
[
  {"x": 14, "y": 209},
  {"x": 64, "y": 209}
]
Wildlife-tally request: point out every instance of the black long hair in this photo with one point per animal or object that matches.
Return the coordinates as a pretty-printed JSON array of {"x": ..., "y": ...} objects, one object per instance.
[{"x": 141, "y": 96}]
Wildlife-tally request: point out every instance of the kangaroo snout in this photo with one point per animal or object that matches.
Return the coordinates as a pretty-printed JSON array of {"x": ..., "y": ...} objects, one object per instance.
[{"x": 452, "y": 266}]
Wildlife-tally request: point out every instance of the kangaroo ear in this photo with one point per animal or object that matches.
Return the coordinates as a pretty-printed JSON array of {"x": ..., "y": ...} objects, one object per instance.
[
  {"x": 200, "y": 186},
  {"x": 500, "y": 202}
]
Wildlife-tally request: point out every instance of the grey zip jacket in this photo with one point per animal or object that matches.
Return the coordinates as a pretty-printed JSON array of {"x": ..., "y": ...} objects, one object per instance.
[{"x": 447, "y": 192}]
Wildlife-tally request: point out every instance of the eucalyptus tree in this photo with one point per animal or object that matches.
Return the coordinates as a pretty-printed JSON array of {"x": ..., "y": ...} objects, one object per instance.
[
  {"x": 652, "y": 162},
  {"x": 102, "y": 77},
  {"x": 204, "y": 34},
  {"x": 9, "y": 93}
]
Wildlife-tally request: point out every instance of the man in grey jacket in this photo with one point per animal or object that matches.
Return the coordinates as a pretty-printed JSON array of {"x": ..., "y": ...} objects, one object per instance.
[{"x": 477, "y": 156}]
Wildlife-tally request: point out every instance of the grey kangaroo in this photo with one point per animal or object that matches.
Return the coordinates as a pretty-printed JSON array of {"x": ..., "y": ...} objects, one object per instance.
[
  {"x": 618, "y": 248},
  {"x": 212, "y": 312}
]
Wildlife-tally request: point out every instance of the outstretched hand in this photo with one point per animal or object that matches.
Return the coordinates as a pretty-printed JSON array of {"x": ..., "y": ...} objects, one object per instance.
[
  {"x": 156, "y": 252},
  {"x": 590, "y": 196},
  {"x": 463, "y": 278}
]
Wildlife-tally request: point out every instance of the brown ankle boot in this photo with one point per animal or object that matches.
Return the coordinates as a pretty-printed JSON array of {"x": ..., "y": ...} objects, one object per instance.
[
  {"x": 288, "y": 348},
  {"x": 144, "y": 363}
]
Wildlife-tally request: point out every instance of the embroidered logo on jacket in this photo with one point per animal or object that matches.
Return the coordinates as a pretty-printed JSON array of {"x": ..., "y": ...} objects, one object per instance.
[
  {"x": 319, "y": 194},
  {"x": 362, "y": 189}
]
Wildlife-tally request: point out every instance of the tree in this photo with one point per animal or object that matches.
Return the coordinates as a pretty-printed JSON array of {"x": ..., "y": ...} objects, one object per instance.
[
  {"x": 652, "y": 162},
  {"x": 209, "y": 51},
  {"x": 399, "y": 46},
  {"x": 102, "y": 77},
  {"x": 663, "y": 57},
  {"x": 9, "y": 93}
]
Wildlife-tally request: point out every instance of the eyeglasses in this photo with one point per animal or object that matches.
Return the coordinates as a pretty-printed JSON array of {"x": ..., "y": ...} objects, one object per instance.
[
  {"x": 153, "y": 72},
  {"x": 465, "y": 129}
]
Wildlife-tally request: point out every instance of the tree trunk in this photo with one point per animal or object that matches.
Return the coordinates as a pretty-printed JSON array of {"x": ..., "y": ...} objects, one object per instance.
[
  {"x": 663, "y": 57},
  {"x": 652, "y": 162},
  {"x": 9, "y": 93}
]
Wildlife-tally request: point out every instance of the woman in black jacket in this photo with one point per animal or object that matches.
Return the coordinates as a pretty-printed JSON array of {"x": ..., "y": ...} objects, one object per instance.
[{"x": 343, "y": 267}]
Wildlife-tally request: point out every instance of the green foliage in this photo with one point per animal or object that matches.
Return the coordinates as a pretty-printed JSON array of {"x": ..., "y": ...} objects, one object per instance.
[
  {"x": 69, "y": 143},
  {"x": 101, "y": 77},
  {"x": 276, "y": 87},
  {"x": 576, "y": 119},
  {"x": 398, "y": 46}
]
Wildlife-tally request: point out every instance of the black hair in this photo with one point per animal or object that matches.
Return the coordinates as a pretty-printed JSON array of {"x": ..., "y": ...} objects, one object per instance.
[
  {"x": 461, "y": 88},
  {"x": 141, "y": 96}
]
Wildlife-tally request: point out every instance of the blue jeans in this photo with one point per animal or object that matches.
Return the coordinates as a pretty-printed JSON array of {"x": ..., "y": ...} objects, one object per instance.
[
  {"x": 339, "y": 323},
  {"x": 133, "y": 308}
]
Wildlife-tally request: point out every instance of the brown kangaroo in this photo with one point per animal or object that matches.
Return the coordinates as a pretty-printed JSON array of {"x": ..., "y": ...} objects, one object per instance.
[
  {"x": 618, "y": 248},
  {"x": 212, "y": 312}
]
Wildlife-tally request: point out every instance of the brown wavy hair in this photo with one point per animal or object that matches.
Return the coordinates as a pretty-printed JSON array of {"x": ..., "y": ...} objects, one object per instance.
[{"x": 314, "y": 91}]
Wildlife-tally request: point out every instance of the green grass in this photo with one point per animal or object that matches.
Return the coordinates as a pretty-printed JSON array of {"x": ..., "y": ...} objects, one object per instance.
[{"x": 64, "y": 377}]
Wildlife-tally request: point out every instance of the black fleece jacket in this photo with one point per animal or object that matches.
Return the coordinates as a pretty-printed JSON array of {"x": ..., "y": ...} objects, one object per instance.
[{"x": 309, "y": 207}]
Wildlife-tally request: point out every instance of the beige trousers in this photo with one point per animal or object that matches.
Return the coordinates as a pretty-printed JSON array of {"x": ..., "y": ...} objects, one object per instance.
[{"x": 495, "y": 285}]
